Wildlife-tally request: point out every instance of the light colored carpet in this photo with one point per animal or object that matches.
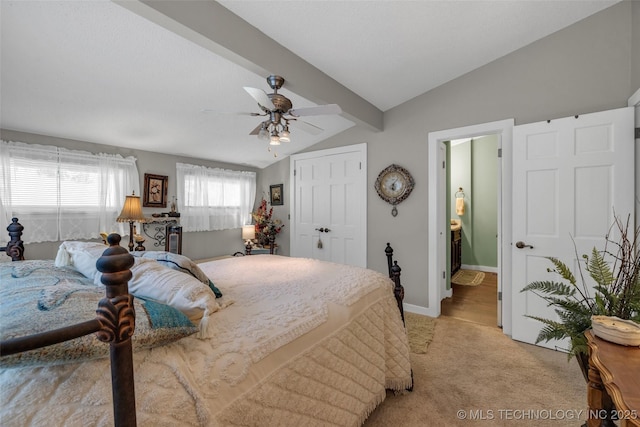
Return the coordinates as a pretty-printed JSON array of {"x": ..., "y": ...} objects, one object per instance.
[
  {"x": 420, "y": 331},
  {"x": 468, "y": 277},
  {"x": 491, "y": 379}
]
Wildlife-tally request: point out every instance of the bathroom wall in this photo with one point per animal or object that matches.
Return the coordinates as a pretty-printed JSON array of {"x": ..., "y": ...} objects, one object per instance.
[
  {"x": 484, "y": 183},
  {"x": 460, "y": 172},
  {"x": 474, "y": 166}
]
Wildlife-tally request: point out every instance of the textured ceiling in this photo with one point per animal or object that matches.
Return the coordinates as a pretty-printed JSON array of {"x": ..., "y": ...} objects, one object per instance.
[{"x": 98, "y": 72}]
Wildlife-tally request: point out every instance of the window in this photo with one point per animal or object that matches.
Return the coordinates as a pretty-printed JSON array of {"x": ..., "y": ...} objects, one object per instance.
[
  {"x": 61, "y": 194},
  {"x": 214, "y": 199}
]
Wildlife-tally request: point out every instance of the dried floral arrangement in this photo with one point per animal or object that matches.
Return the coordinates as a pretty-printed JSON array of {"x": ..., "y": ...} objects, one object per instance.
[{"x": 266, "y": 225}]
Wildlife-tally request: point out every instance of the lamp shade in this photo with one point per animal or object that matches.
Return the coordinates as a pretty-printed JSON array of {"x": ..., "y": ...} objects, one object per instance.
[
  {"x": 132, "y": 210},
  {"x": 248, "y": 232}
]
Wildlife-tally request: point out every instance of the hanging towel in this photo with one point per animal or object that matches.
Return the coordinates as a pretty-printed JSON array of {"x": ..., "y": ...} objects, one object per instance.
[{"x": 460, "y": 206}]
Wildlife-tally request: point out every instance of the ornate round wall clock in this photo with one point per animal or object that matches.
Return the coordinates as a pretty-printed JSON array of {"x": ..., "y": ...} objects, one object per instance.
[{"x": 394, "y": 184}]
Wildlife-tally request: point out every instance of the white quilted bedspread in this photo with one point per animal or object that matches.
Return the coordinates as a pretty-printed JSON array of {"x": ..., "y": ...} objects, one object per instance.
[{"x": 304, "y": 343}]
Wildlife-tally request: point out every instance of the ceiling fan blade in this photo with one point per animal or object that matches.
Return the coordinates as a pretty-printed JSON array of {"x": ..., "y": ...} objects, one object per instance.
[
  {"x": 230, "y": 113},
  {"x": 261, "y": 98},
  {"x": 316, "y": 111},
  {"x": 306, "y": 127}
]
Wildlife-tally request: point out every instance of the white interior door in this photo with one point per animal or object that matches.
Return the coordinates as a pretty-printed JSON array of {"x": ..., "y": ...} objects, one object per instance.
[
  {"x": 329, "y": 205},
  {"x": 569, "y": 175}
]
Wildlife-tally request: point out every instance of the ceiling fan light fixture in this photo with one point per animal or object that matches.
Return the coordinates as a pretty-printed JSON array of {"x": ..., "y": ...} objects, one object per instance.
[
  {"x": 275, "y": 139},
  {"x": 263, "y": 134},
  {"x": 285, "y": 136}
]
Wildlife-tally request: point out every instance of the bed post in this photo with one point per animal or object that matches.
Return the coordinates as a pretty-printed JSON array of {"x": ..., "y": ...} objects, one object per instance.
[
  {"x": 15, "y": 247},
  {"x": 117, "y": 319},
  {"x": 398, "y": 290},
  {"x": 394, "y": 274}
]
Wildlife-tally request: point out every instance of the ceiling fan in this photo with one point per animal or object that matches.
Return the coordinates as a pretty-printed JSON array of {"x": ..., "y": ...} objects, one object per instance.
[{"x": 280, "y": 113}]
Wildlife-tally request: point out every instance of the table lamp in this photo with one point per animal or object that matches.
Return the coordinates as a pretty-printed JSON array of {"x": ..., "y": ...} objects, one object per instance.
[
  {"x": 131, "y": 212},
  {"x": 248, "y": 234}
]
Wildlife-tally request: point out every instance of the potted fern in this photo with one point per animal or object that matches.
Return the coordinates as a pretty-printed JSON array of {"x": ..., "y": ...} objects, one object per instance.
[{"x": 616, "y": 273}]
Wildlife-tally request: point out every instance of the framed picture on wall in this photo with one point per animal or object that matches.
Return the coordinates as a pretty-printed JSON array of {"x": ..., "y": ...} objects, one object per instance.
[
  {"x": 275, "y": 191},
  {"x": 155, "y": 191}
]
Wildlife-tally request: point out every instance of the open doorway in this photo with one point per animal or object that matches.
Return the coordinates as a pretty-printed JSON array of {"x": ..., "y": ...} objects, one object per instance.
[{"x": 472, "y": 190}]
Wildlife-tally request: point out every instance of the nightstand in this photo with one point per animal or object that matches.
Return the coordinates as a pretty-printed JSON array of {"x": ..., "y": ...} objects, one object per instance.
[{"x": 258, "y": 251}]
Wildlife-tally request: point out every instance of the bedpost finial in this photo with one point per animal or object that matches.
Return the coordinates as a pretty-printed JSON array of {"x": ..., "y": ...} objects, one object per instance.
[
  {"x": 388, "y": 249},
  {"x": 114, "y": 259},
  {"x": 15, "y": 226},
  {"x": 15, "y": 247},
  {"x": 113, "y": 239}
]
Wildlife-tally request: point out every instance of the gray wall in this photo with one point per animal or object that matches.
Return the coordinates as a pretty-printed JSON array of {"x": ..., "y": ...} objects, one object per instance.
[
  {"x": 194, "y": 245},
  {"x": 584, "y": 68}
]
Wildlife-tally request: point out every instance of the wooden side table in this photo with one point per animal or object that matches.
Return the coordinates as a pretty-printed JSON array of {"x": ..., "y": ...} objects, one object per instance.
[
  {"x": 258, "y": 251},
  {"x": 614, "y": 381}
]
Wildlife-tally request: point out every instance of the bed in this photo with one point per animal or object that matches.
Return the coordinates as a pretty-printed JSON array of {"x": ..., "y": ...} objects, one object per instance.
[{"x": 283, "y": 341}]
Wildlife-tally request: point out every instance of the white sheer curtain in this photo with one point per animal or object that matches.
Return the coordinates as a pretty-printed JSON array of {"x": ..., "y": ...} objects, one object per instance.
[
  {"x": 214, "y": 199},
  {"x": 61, "y": 194}
]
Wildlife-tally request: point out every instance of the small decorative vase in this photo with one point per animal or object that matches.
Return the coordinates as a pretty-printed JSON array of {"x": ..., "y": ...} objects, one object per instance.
[{"x": 616, "y": 330}]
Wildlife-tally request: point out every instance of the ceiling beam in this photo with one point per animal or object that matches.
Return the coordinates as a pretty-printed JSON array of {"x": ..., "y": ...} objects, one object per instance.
[{"x": 212, "y": 26}]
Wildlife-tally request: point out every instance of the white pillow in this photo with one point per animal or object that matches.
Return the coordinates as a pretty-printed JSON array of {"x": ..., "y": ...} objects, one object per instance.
[
  {"x": 153, "y": 281},
  {"x": 180, "y": 263},
  {"x": 82, "y": 256}
]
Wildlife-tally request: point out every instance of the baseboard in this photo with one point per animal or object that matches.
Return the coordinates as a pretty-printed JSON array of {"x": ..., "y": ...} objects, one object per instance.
[
  {"x": 480, "y": 268},
  {"x": 417, "y": 309}
]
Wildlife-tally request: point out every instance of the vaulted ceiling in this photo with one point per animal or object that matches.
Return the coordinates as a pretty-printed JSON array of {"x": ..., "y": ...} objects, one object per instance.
[{"x": 168, "y": 76}]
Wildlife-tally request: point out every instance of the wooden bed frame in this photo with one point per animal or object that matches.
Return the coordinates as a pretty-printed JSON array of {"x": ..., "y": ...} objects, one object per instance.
[{"x": 115, "y": 319}]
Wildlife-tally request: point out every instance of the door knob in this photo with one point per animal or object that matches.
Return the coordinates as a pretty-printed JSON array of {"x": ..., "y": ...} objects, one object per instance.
[
  {"x": 321, "y": 229},
  {"x": 521, "y": 245}
]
